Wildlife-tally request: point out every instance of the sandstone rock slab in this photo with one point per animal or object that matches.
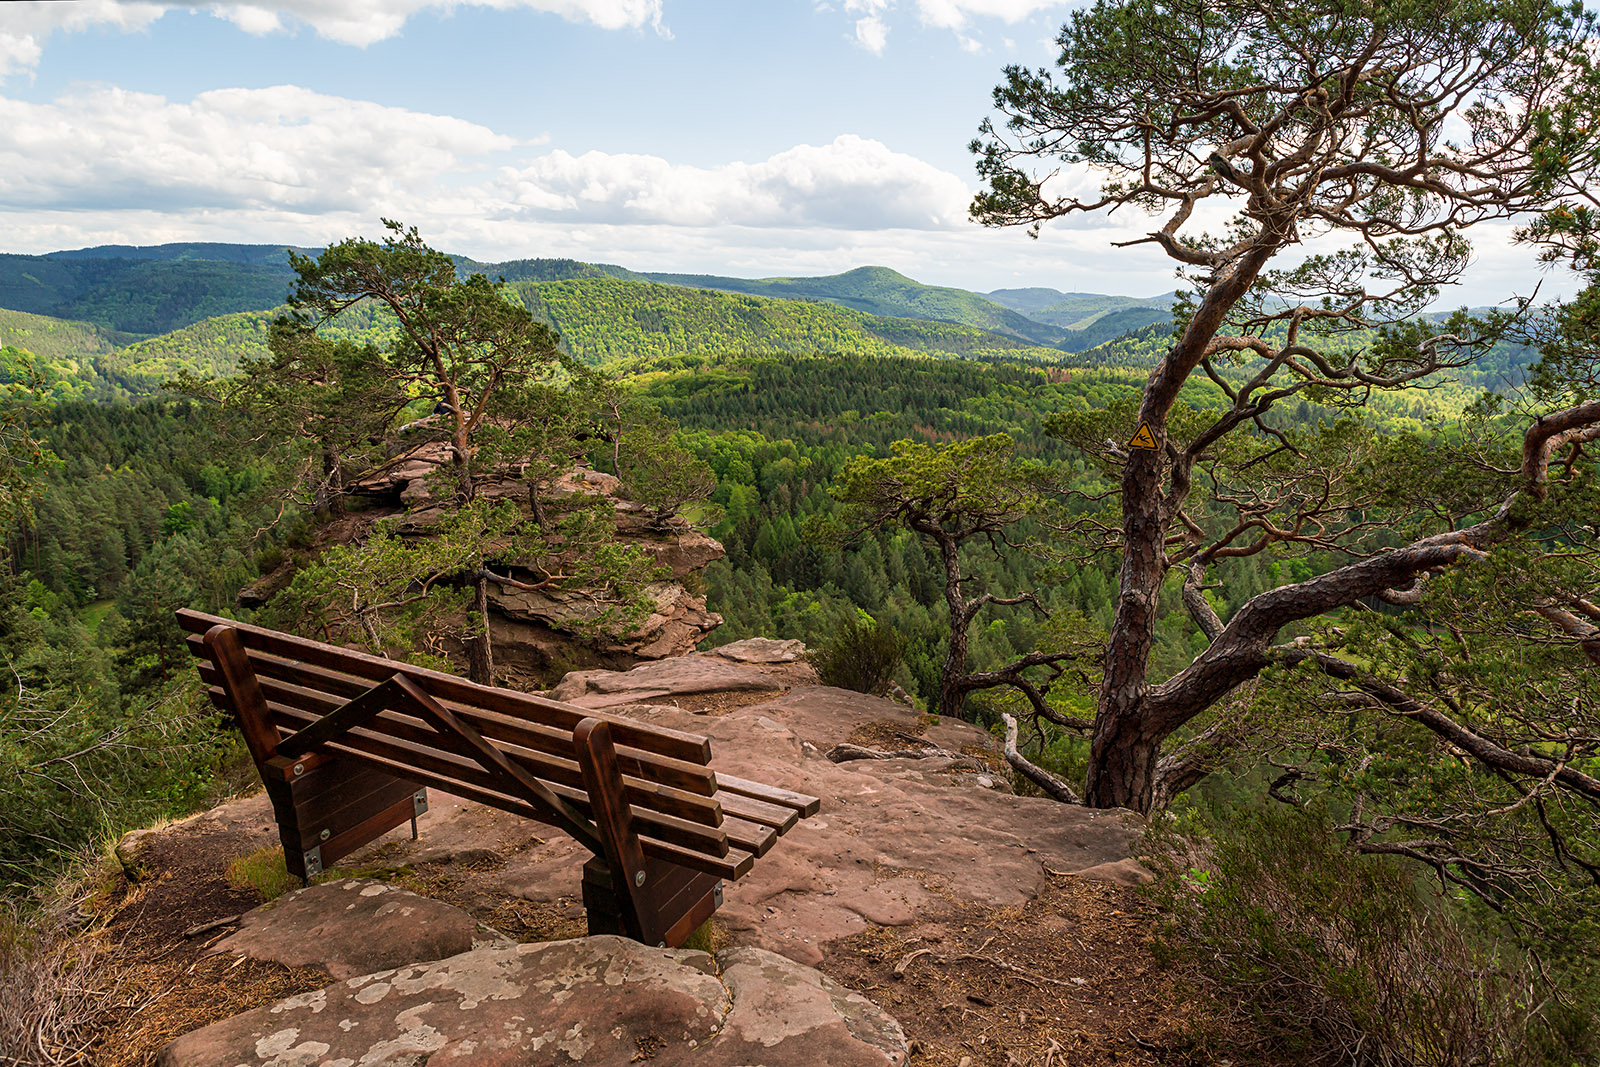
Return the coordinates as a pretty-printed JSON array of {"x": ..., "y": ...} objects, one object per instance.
[
  {"x": 760, "y": 650},
  {"x": 600, "y": 1001},
  {"x": 668, "y": 677},
  {"x": 355, "y": 926}
]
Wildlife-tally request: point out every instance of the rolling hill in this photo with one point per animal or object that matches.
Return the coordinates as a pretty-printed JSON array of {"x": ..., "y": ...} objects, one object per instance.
[
  {"x": 1078, "y": 311},
  {"x": 881, "y": 291},
  {"x": 608, "y": 319},
  {"x": 154, "y": 290}
]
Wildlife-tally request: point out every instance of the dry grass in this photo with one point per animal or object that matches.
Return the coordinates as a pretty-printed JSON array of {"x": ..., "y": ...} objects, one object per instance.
[{"x": 57, "y": 985}]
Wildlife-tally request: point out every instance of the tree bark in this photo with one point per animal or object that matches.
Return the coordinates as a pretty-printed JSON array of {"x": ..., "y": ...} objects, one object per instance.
[
  {"x": 330, "y": 495},
  {"x": 480, "y": 651},
  {"x": 952, "y": 695},
  {"x": 1123, "y": 754}
]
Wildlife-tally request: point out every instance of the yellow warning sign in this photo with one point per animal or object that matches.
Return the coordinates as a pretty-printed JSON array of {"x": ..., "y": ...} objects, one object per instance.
[{"x": 1143, "y": 438}]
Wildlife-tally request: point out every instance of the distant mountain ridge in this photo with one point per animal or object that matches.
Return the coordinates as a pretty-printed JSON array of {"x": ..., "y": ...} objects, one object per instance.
[
  {"x": 120, "y": 319},
  {"x": 881, "y": 291},
  {"x": 155, "y": 289},
  {"x": 1077, "y": 311}
]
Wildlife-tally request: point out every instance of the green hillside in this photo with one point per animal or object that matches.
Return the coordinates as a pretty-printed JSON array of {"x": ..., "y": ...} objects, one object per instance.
[
  {"x": 1075, "y": 311},
  {"x": 140, "y": 296},
  {"x": 51, "y": 356},
  {"x": 157, "y": 290},
  {"x": 881, "y": 291},
  {"x": 608, "y": 319},
  {"x": 57, "y": 339},
  {"x": 545, "y": 270},
  {"x": 212, "y": 347}
]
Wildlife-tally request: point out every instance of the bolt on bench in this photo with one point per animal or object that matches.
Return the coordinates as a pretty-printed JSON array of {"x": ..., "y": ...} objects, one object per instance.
[{"x": 347, "y": 744}]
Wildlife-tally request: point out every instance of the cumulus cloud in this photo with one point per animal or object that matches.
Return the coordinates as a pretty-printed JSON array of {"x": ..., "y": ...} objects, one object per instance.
[
  {"x": 289, "y": 149},
  {"x": 283, "y": 147},
  {"x": 872, "y": 33},
  {"x": 958, "y": 16},
  {"x": 851, "y": 183},
  {"x": 353, "y": 22}
]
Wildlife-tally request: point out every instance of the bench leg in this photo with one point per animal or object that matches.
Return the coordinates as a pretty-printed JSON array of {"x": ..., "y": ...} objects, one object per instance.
[
  {"x": 688, "y": 899},
  {"x": 627, "y": 881}
]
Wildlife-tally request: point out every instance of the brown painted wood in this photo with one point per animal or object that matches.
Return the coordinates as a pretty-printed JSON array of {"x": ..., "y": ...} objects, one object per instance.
[
  {"x": 693, "y": 747},
  {"x": 452, "y": 772},
  {"x": 778, "y": 817},
  {"x": 690, "y": 918},
  {"x": 342, "y": 844},
  {"x": 340, "y": 821},
  {"x": 281, "y": 769},
  {"x": 494, "y": 761},
  {"x": 679, "y": 803},
  {"x": 691, "y": 898},
  {"x": 801, "y": 802},
  {"x": 317, "y": 794},
  {"x": 735, "y": 865},
  {"x": 354, "y": 712},
  {"x": 613, "y": 821},
  {"x": 280, "y": 677},
  {"x": 686, "y": 822},
  {"x": 226, "y": 651}
]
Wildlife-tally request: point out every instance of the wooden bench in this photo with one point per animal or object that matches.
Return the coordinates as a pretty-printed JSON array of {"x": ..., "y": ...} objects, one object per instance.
[{"x": 347, "y": 744}]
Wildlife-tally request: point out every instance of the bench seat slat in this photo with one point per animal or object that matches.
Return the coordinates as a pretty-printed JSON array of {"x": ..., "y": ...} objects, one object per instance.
[
  {"x": 648, "y": 794},
  {"x": 667, "y": 742},
  {"x": 800, "y": 802},
  {"x": 780, "y": 818},
  {"x": 676, "y": 773}
]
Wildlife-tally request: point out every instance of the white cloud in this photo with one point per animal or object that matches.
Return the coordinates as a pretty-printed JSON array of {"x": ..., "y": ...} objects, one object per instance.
[
  {"x": 955, "y": 14},
  {"x": 291, "y": 150},
  {"x": 353, "y": 22},
  {"x": 872, "y": 29},
  {"x": 852, "y": 183},
  {"x": 283, "y": 147},
  {"x": 872, "y": 33}
]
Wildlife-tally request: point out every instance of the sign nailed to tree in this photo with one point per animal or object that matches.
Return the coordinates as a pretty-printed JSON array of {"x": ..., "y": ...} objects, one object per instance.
[{"x": 1143, "y": 438}]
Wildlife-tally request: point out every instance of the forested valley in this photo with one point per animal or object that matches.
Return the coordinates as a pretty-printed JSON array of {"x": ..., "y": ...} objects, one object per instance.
[{"x": 1295, "y": 566}]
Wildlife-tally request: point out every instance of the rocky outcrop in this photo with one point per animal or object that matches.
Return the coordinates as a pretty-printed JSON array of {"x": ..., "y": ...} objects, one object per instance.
[
  {"x": 541, "y": 634},
  {"x": 356, "y": 926},
  {"x": 602, "y": 1001}
]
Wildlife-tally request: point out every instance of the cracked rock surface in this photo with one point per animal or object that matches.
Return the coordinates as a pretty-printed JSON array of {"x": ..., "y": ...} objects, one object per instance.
[{"x": 595, "y": 1000}]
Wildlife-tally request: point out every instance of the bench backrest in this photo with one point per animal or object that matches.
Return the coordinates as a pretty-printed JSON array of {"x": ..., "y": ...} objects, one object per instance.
[{"x": 471, "y": 740}]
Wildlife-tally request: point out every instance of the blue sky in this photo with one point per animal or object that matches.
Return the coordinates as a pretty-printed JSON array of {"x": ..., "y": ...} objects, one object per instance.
[{"x": 755, "y": 138}]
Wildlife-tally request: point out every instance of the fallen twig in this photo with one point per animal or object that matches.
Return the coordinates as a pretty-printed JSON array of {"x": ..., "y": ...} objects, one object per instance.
[
  {"x": 908, "y": 959},
  {"x": 206, "y": 928}
]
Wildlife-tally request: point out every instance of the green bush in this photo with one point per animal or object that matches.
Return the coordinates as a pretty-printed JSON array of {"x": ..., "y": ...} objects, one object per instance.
[
  {"x": 863, "y": 656},
  {"x": 1354, "y": 959}
]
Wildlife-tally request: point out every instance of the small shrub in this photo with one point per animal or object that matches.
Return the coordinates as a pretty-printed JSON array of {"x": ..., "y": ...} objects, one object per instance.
[
  {"x": 1347, "y": 958},
  {"x": 863, "y": 656},
  {"x": 264, "y": 871}
]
